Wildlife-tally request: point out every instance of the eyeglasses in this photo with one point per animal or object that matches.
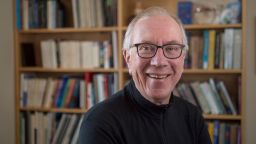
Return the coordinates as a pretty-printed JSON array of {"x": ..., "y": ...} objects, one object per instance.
[{"x": 170, "y": 51}]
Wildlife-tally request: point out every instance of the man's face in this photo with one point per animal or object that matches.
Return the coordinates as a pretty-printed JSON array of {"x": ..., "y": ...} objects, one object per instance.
[{"x": 156, "y": 77}]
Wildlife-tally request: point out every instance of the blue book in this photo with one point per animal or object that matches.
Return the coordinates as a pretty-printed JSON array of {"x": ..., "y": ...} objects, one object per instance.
[
  {"x": 18, "y": 14},
  {"x": 60, "y": 91},
  {"x": 185, "y": 11},
  {"x": 205, "y": 49},
  {"x": 75, "y": 96},
  {"x": 216, "y": 132}
]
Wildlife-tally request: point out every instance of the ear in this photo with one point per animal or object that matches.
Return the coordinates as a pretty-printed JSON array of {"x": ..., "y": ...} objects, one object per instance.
[{"x": 127, "y": 56}]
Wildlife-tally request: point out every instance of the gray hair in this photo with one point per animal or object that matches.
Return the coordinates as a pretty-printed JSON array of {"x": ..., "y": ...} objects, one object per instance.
[{"x": 152, "y": 11}]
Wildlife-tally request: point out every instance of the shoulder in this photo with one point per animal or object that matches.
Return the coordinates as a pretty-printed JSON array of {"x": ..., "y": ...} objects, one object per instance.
[
  {"x": 107, "y": 111},
  {"x": 102, "y": 120}
]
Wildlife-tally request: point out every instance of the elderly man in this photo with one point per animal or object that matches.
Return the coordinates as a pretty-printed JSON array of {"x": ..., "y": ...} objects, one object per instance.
[{"x": 146, "y": 111}]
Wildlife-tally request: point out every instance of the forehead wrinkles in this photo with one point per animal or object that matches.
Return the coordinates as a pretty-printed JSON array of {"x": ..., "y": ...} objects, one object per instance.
[{"x": 156, "y": 24}]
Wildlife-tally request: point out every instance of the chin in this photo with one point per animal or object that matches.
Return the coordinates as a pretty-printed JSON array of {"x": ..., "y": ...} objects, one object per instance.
[{"x": 159, "y": 94}]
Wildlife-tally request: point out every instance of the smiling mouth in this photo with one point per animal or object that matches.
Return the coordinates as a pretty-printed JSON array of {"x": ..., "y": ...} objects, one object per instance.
[{"x": 156, "y": 76}]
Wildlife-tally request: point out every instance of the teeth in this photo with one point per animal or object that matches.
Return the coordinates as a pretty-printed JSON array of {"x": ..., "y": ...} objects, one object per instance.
[{"x": 157, "y": 76}]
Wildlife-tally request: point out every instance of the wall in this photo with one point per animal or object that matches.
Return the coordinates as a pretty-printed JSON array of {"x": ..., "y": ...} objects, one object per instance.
[
  {"x": 251, "y": 74},
  {"x": 7, "y": 113}
]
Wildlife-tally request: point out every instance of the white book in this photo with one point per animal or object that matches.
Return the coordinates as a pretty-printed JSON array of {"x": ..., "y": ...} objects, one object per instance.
[
  {"x": 64, "y": 129},
  {"x": 89, "y": 97},
  {"x": 115, "y": 48},
  {"x": 31, "y": 128},
  {"x": 23, "y": 128},
  {"x": 23, "y": 89},
  {"x": 82, "y": 13},
  {"x": 228, "y": 48},
  {"x": 209, "y": 97},
  {"x": 93, "y": 13},
  {"x": 217, "y": 96},
  {"x": 200, "y": 97},
  {"x": 86, "y": 54},
  {"x": 49, "y": 127},
  {"x": 75, "y": 11},
  {"x": 226, "y": 97},
  {"x": 95, "y": 54},
  {"x": 115, "y": 83},
  {"x": 51, "y": 13},
  {"x": 25, "y": 15},
  {"x": 82, "y": 94},
  {"x": 45, "y": 54},
  {"x": 50, "y": 93},
  {"x": 74, "y": 139},
  {"x": 100, "y": 84},
  {"x": 53, "y": 53},
  {"x": 107, "y": 50},
  {"x": 64, "y": 53},
  {"x": 87, "y": 12},
  {"x": 76, "y": 57},
  {"x": 70, "y": 129},
  {"x": 59, "y": 128},
  {"x": 42, "y": 89},
  {"x": 99, "y": 13},
  {"x": 237, "y": 49}
]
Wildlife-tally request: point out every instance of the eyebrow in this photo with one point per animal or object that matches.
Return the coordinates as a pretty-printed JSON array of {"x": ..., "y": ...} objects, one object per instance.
[{"x": 168, "y": 42}]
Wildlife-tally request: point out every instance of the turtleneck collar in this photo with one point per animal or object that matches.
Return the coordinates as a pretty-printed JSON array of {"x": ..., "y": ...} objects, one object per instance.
[{"x": 145, "y": 105}]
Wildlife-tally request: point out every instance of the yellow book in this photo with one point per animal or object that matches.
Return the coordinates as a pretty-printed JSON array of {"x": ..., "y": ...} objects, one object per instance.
[
  {"x": 211, "y": 51},
  {"x": 211, "y": 130}
]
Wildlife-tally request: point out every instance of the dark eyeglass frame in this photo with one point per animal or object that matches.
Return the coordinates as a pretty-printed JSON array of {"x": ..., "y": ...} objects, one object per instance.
[{"x": 182, "y": 46}]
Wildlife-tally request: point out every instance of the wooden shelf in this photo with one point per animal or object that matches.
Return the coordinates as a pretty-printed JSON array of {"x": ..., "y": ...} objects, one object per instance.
[
  {"x": 202, "y": 71},
  {"x": 222, "y": 117},
  {"x": 211, "y": 26},
  {"x": 60, "y": 110},
  {"x": 67, "y": 30},
  {"x": 77, "y": 110},
  {"x": 213, "y": 71},
  {"x": 62, "y": 70},
  {"x": 205, "y": 26}
]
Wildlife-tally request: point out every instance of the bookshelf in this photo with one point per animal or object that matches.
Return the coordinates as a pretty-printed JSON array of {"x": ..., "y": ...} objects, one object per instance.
[{"x": 124, "y": 13}]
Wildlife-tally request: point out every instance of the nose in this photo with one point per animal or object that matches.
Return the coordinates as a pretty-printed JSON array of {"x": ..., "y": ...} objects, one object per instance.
[{"x": 159, "y": 59}]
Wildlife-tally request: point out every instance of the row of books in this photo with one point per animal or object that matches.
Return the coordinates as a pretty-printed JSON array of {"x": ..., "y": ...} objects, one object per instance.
[
  {"x": 39, "y": 14},
  {"x": 46, "y": 128},
  {"x": 212, "y": 97},
  {"x": 94, "y": 13},
  {"x": 66, "y": 92},
  {"x": 224, "y": 132},
  {"x": 212, "y": 49},
  {"x": 73, "y": 13},
  {"x": 73, "y": 53}
]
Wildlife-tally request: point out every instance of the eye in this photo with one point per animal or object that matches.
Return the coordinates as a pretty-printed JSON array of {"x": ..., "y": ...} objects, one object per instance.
[
  {"x": 173, "y": 48},
  {"x": 147, "y": 47}
]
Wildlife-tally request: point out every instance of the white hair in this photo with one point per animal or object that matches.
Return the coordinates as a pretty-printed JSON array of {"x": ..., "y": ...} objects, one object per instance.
[{"x": 152, "y": 11}]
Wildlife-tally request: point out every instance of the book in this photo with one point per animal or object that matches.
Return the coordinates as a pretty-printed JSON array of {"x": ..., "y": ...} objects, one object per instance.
[
  {"x": 75, "y": 136},
  {"x": 185, "y": 9},
  {"x": 226, "y": 98},
  {"x": 205, "y": 49},
  {"x": 208, "y": 94},
  {"x": 200, "y": 97},
  {"x": 28, "y": 55},
  {"x": 211, "y": 51},
  {"x": 219, "y": 102},
  {"x": 59, "y": 128},
  {"x": 70, "y": 129}
]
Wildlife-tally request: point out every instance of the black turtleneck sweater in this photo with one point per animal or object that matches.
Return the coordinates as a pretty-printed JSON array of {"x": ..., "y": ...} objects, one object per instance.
[{"x": 128, "y": 118}]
